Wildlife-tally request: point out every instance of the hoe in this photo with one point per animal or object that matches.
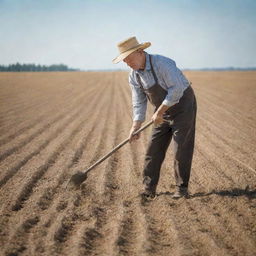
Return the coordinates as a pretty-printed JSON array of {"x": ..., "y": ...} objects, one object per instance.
[{"x": 78, "y": 178}]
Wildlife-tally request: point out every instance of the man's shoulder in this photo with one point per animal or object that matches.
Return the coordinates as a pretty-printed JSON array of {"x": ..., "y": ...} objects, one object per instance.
[
  {"x": 132, "y": 77},
  {"x": 131, "y": 73},
  {"x": 161, "y": 59}
]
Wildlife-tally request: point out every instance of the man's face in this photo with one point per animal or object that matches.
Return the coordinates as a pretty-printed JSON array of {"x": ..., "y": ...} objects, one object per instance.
[{"x": 135, "y": 60}]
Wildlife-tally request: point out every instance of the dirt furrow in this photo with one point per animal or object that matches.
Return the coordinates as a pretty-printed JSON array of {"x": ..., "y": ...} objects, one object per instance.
[
  {"x": 28, "y": 189},
  {"x": 60, "y": 129},
  {"x": 107, "y": 215},
  {"x": 227, "y": 115},
  {"x": 231, "y": 144},
  {"x": 66, "y": 117},
  {"x": 61, "y": 234},
  {"x": 53, "y": 96},
  {"x": 132, "y": 231},
  {"x": 57, "y": 152},
  {"x": 220, "y": 217},
  {"x": 163, "y": 231},
  {"x": 42, "y": 128},
  {"x": 64, "y": 200},
  {"x": 144, "y": 230},
  {"x": 22, "y": 104},
  {"x": 205, "y": 205},
  {"x": 11, "y": 127},
  {"x": 161, "y": 234},
  {"x": 63, "y": 226},
  {"x": 27, "y": 94},
  {"x": 236, "y": 128},
  {"x": 229, "y": 155},
  {"x": 17, "y": 245},
  {"x": 12, "y": 150},
  {"x": 193, "y": 236},
  {"x": 190, "y": 235},
  {"x": 226, "y": 167},
  {"x": 43, "y": 114},
  {"x": 132, "y": 238},
  {"x": 211, "y": 221},
  {"x": 215, "y": 186},
  {"x": 49, "y": 193},
  {"x": 210, "y": 240},
  {"x": 229, "y": 108},
  {"x": 232, "y": 87},
  {"x": 11, "y": 171},
  {"x": 99, "y": 237}
]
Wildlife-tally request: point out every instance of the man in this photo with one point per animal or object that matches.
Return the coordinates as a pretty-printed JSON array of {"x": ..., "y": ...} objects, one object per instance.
[{"x": 157, "y": 79}]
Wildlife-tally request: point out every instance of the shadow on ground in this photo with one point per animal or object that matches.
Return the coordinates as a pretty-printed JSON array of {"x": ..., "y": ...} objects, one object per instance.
[{"x": 250, "y": 194}]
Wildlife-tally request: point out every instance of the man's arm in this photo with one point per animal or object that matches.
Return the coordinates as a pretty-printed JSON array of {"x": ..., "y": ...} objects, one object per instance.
[
  {"x": 157, "y": 118},
  {"x": 135, "y": 126},
  {"x": 139, "y": 103},
  {"x": 174, "y": 80}
]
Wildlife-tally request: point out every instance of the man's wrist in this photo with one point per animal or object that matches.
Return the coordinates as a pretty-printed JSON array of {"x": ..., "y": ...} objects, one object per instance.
[
  {"x": 162, "y": 109},
  {"x": 137, "y": 124}
]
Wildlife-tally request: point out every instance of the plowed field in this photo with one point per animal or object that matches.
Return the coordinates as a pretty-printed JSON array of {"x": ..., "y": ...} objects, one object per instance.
[{"x": 54, "y": 124}]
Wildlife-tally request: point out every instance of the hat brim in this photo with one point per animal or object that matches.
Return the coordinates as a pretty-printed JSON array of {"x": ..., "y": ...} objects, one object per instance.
[{"x": 125, "y": 54}]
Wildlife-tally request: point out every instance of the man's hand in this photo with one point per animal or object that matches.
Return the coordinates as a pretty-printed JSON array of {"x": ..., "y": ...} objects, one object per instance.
[
  {"x": 157, "y": 118},
  {"x": 136, "y": 126}
]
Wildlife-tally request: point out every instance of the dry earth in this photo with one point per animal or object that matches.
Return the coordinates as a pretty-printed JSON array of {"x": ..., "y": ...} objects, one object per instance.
[{"x": 53, "y": 124}]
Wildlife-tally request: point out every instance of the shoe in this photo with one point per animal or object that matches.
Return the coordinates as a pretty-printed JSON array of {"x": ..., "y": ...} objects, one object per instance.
[
  {"x": 180, "y": 192},
  {"x": 149, "y": 192}
]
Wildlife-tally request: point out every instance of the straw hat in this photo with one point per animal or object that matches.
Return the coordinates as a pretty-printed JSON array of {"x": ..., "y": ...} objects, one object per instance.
[{"x": 128, "y": 46}]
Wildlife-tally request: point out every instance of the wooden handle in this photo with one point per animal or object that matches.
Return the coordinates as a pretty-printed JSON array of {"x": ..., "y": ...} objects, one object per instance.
[{"x": 116, "y": 148}]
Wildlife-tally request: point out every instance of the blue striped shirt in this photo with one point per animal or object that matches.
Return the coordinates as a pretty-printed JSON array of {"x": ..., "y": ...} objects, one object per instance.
[{"x": 169, "y": 78}]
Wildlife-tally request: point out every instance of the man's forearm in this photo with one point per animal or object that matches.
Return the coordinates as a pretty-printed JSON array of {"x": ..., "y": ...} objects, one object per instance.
[
  {"x": 162, "y": 108},
  {"x": 137, "y": 124},
  {"x": 158, "y": 115}
]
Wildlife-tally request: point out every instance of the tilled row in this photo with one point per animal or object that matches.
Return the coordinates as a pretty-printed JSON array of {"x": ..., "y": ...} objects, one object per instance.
[
  {"x": 71, "y": 132},
  {"x": 44, "y": 111},
  {"x": 107, "y": 215}
]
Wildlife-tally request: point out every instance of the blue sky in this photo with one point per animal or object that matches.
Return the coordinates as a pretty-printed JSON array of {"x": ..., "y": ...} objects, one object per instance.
[{"x": 84, "y": 34}]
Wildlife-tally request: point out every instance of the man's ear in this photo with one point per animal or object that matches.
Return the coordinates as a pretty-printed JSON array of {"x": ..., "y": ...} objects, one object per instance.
[{"x": 140, "y": 51}]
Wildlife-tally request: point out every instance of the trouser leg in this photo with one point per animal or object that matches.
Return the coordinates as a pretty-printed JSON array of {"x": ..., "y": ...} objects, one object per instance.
[
  {"x": 184, "y": 138},
  {"x": 160, "y": 140}
]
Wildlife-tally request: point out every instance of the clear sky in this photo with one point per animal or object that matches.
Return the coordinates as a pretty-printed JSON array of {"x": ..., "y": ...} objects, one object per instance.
[{"x": 83, "y": 33}]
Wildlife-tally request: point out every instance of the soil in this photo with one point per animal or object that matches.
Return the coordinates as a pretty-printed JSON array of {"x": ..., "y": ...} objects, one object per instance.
[{"x": 55, "y": 124}]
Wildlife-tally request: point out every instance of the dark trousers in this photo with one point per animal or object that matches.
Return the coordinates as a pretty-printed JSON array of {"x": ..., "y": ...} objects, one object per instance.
[{"x": 182, "y": 130}]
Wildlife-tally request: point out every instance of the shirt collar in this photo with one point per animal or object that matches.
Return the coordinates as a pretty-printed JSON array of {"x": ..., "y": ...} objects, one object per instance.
[{"x": 147, "y": 64}]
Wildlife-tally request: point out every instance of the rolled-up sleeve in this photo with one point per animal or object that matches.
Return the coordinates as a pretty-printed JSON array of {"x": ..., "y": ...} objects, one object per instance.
[
  {"x": 171, "y": 76},
  {"x": 139, "y": 101}
]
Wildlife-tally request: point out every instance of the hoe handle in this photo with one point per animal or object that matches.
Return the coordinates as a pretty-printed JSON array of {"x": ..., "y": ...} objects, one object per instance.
[{"x": 116, "y": 148}]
